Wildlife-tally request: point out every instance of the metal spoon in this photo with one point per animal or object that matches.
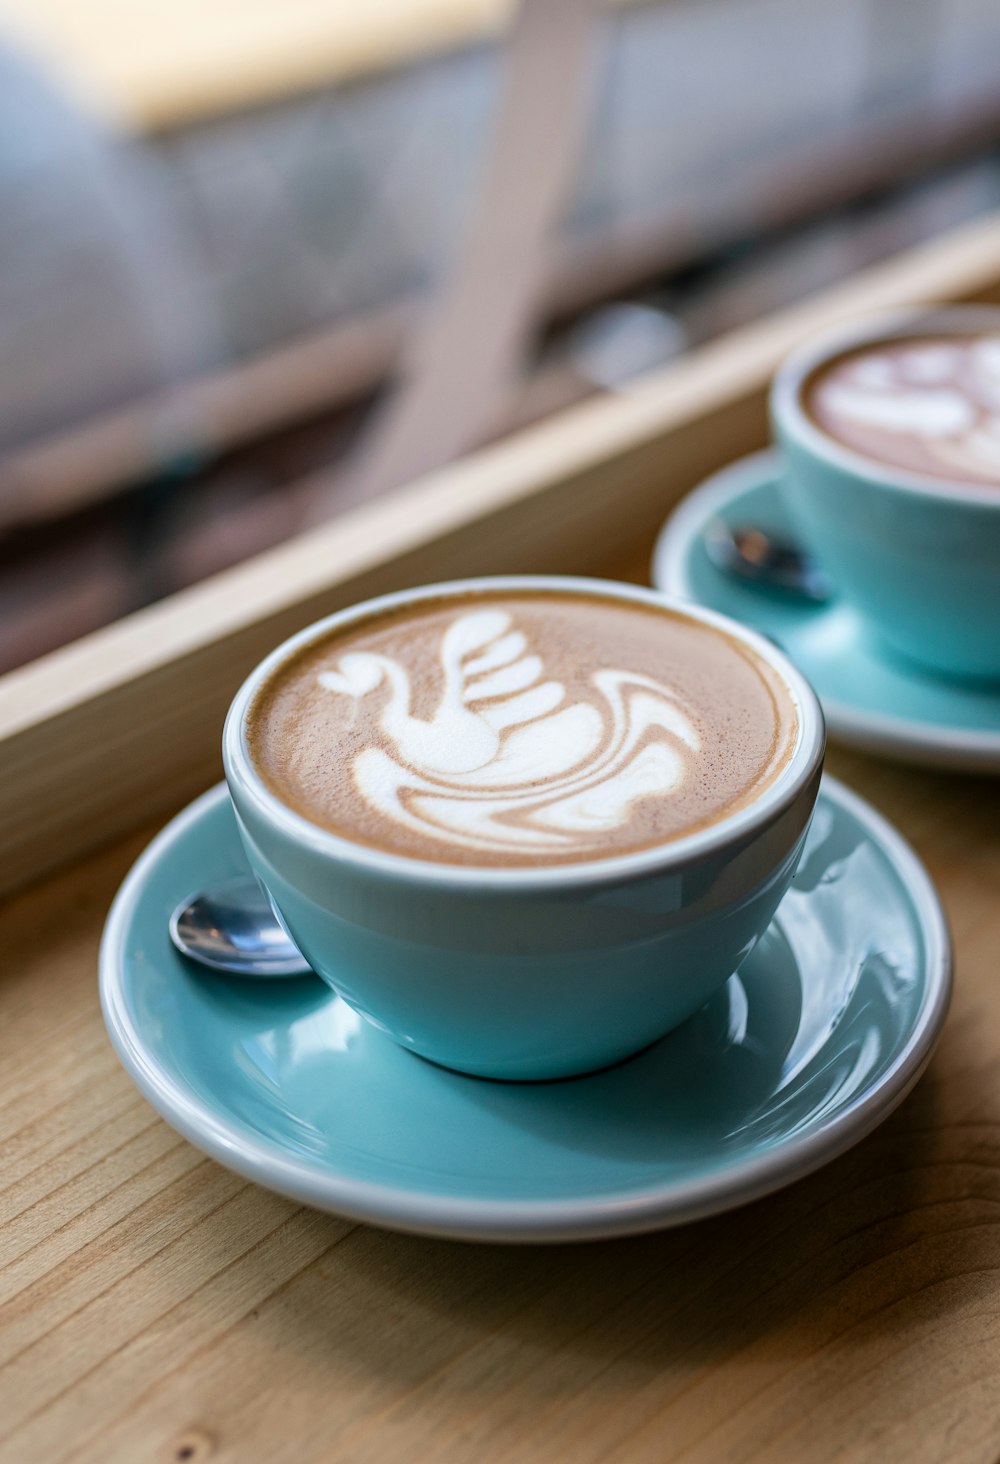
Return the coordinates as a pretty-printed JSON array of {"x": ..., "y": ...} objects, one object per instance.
[
  {"x": 232, "y": 927},
  {"x": 768, "y": 560}
]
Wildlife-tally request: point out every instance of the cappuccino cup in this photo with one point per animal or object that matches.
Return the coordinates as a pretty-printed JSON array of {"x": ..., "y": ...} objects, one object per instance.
[
  {"x": 891, "y": 434},
  {"x": 525, "y": 825}
]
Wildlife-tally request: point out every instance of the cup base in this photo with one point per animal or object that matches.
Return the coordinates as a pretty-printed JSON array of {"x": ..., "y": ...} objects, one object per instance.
[
  {"x": 946, "y": 669},
  {"x": 525, "y": 1080}
]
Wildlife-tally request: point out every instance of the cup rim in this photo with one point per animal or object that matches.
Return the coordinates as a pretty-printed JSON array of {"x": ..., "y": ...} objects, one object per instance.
[
  {"x": 805, "y": 760},
  {"x": 789, "y": 413}
]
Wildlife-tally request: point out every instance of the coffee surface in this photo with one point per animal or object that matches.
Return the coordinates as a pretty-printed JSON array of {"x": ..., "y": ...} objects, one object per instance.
[
  {"x": 929, "y": 404},
  {"x": 521, "y": 729}
]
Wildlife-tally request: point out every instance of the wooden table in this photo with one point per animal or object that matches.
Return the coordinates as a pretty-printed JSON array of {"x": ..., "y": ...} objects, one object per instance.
[{"x": 155, "y": 1307}]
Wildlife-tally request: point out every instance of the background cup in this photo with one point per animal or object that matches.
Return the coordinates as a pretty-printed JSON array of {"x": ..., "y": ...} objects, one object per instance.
[
  {"x": 918, "y": 556},
  {"x": 529, "y": 973}
]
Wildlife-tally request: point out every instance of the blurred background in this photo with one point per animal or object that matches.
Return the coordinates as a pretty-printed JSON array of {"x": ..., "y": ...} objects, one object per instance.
[{"x": 261, "y": 261}]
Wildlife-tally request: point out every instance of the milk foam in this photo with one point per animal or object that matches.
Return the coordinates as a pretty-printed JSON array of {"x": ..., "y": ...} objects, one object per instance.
[
  {"x": 506, "y": 763},
  {"x": 939, "y": 401},
  {"x": 518, "y": 729}
]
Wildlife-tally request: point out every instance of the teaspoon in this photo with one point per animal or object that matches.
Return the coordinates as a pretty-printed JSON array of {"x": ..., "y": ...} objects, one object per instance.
[
  {"x": 232, "y": 927},
  {"x": 768, "y": 560}
]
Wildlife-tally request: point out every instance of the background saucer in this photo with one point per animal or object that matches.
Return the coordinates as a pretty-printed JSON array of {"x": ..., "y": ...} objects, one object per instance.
[
  {"x": 829, "y": 1024},
  {"x": 871, "y": 700}
]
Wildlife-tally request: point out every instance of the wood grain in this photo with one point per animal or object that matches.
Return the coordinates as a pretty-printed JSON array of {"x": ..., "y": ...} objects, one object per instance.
[
  {"x": 125, "y": 724},
  {"x": 154, "y": 1307}
]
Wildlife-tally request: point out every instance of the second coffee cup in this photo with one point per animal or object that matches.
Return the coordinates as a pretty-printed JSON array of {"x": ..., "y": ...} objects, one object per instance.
[{"x": 891, "y": 433}]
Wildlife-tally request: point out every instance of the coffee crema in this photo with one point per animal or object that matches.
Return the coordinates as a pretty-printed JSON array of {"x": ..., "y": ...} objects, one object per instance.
[
  {"x": 521, "y": 728},
  {"x": 929, "y": 404}
]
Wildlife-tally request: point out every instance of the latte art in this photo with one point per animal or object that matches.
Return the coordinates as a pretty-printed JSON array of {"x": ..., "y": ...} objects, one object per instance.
[
  {"x": 507, "y": 762},
  {"x": 521, "y": 729},
  {"x": 929, "y": 404}
]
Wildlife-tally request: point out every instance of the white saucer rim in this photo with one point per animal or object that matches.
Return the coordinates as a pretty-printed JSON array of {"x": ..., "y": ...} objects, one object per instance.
[
  {"x": 534, "y": 1220},
  {"x": 949, "y": 747}
]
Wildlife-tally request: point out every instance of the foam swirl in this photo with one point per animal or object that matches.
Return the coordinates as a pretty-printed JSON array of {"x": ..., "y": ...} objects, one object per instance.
[
  {"x": 936, "y": 401},
  {"x": 506, "y": 763}
]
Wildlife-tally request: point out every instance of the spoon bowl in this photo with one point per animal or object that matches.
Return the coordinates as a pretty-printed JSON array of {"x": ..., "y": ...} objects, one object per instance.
[
  {"x": 232, "y": 927},
  {"x": 767, "y": 560}
]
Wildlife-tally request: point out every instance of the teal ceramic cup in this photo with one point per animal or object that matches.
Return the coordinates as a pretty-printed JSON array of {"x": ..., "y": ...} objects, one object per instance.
[
  {"x": 918, "y": 556},
  {"x": 541, "y": 972}
]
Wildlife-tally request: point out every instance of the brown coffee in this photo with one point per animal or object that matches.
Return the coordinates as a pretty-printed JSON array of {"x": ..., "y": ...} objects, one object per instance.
[
  {"x": 521, "y": 728},
  {"x": 929, "y": 404}
]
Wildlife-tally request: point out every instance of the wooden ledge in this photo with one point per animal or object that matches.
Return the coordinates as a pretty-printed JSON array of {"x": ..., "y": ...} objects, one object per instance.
[{"x": 124, "y": 725}]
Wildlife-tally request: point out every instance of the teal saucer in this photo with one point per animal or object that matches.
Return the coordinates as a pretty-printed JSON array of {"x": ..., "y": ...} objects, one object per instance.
[
  {"x": 829, "y": 1024},
  {"x": 871, "y": 700}
]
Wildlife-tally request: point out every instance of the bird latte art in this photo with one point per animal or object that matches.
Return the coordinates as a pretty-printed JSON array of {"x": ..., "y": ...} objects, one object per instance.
[
  {"x": 930, "y": 404},
  {"x": 521, "y": 728}
]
